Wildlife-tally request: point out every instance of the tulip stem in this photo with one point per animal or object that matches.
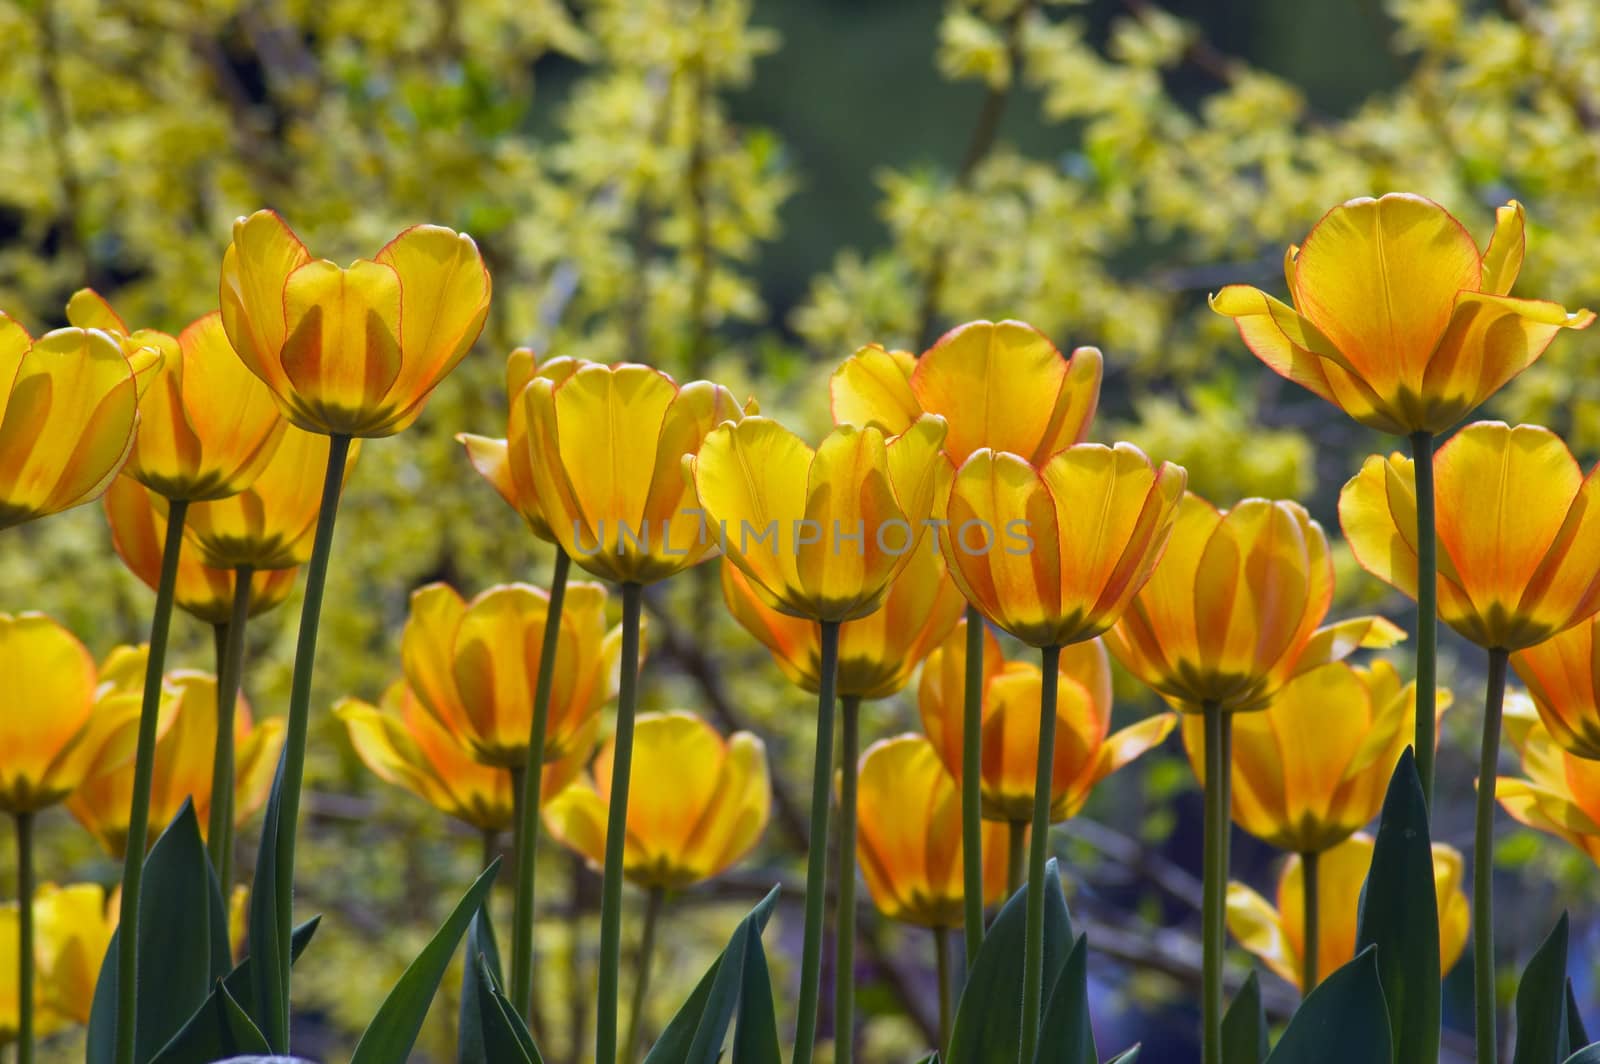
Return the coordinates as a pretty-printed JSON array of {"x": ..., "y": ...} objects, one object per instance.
[
  {"x": 941, "y": 965},
  {"x": 1017, "y": 832},
  {"x": 230, "y": 670},
  {"x": 1033, "y": 943},
  {"x": 641, "y": 987},
  {"x": 1214, "y": 894},
  {"x": 143, "y": 775},
  {"x": 24, "y": 938},
  {"x": 844, "y": 980},
  {"x": 1483, "y": 860},
  {"x": 805, "y": 1034},
  {"x": 1310, "y": 889},
  {"x": 617, "y": 830},
  {"x": 971, "y": 780},
  {"x": 293, "y": 765},
  {"x": 530, "y": 793},
  {"x": 1427, "y": 610}
]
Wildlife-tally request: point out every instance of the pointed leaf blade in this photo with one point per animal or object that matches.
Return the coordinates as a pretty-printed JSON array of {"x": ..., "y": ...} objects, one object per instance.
[
  {"x": 1344, "y": 1019},
  {"x": 1542, "y": 1002}
]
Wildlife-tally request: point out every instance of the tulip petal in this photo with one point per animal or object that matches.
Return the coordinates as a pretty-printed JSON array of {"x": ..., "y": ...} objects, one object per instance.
[
  {"x": 53, "y": 684},
  {"x": 848, "y": 492},
  {"x": 233, "y": 415},
  {"x": 342, "y": 354},
  {"x": 88, "y": 309},
  {"x": 1337, "y": 641},
  {"x": 444, "y": 292},
  {"x": 608, "y": 421},
  {"x": 677, "y": 773},
  {"x": 577, "y": 819},
  {"x": 872, "y": 387},
  {"x": 675, "y": 529},
  {"x": 1566, "y": 586},
  {"x": 1126, "y": 744},
  {"x": 1503, "y": 259},
  {"x": 737, "y": 812},
  {"x": 1018, "y": 589},
  {"x": 999, "y": 385},
  {"x": 1289, "y": 344},
  {"x": 1253, "y": 921},
  {"x": 263, "y": 254},
  {"x": 426, "y": 645},
  {"x": 1377, "y": 511}
]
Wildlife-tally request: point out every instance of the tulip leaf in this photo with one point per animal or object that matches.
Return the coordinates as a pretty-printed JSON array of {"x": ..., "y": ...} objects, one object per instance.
[
  {"x": 269, "y": 980},
  {"x": 1542, "y": 1036},
  {"x": 503, "y": 1037},
  {"x": 470, "y": 1028},
  {"x": 986, "y": 1028},
  {"x": 1244, "y": 1026},
  {"x": 219, "y": 1029},
  {"x": 1065, "y": 1034},
  {"x": 1576, "y": 1035},
  {"x": 393, "y": 1031},
  {"x": 1127, "y": 1056},
  {"x": 931, "y": 1058},
  {"x": 1342, "y": 1020},
  {"x": 1399, "y": 914},
  {"x": 241, "y": 981},
  {"x": 1589, "y": 1054},
  {"x": 755, "y": 1036}
]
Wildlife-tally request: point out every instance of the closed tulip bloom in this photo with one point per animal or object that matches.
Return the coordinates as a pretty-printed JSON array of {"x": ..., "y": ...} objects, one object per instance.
[
  {"x": 605, "y": 449},
  {"x": 908, "y": 835},
  {"x": 1002, "y": 385},
  {"x": 474, "y": 666},
  {"x": 1086, "y": 750},
  {"x": 1398, "y": 319},
  {"x": 696, "y": 806},
  {"x": 820, "y": 534},
  {"x": 138, "y": 533},
  {"x": 352, "y": 351},
  {"x": 1563, "y": 678},
  {"x": 69, "y": 405},
  {"x": 878, "y": 652},
  {"x": 74, "y": 926},
  {"x": 1559, "y": 793},
  {"x": 1519, "y": 532},
  {"x": 1277, "y": 934},
  {"x": 1232, "y": 612},
  {"x": 403, "y": 744},
  {"x": 1313, "y": 767},
  {"x": 207, "y": 425}
]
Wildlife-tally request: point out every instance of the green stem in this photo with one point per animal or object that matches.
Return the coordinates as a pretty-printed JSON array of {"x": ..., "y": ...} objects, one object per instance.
[
  {"x": 24, "y": 938},
  {"x": 971, "y": 781},
  {"x": 1214, "y": 899},
  {"x": 1483, "y": 861},
  {"x": 1018, "y": 841},
  {"x": 143, "y": 774},
  {"x": 230, "y": 671},
  {"x": 617, "y": 830},
  {"x": 577, "y": 1007},
  {"x": 805, "y": 1034},
  {"x": 293, "y": 765},
  {"x": 1427, "y": 611},
  {"x": 1033, "y": 943},
  {"x": 1310, "y": 890},
  {"x": 641, "y": 987},
  {"x": 529, "y": 792},
  {"x": 941, "y": 963},
  {"x": 844, "y": 980}
]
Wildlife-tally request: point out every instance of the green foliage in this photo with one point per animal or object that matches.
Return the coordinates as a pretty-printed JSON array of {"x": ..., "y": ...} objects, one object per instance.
[
  {"x": 1343, "y": 1019},
  {"x": 1542, "y": 1030},
  {"x": 1244, "y": 1025}
]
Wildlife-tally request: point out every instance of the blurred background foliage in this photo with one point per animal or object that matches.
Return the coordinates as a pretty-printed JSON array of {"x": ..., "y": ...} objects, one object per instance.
[{"x": 751, "y": 190}]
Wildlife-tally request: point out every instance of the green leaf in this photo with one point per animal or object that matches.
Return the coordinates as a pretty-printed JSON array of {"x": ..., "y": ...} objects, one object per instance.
[
  {"x": 470, "y": 1047},
  {"x": 1542, "y": 1002},
  {"x": 241, "y": 981},
  {"x": 755, "y": 1035},
  {"x": 986, "y": 1028},
  {"x": 1065, "y": 1034},
  {"x": 1400, "y": 915},
  {"x": 931, "y": 1058},
  {"x": 1576, "y": 1035},
  {"x": 1244, "y": 1026},
  {"x": 1127, "y": 1056},
  {"x": 269, "y": 982},
  {"x": 1589, "y": 1054},
  {"x": 1344, "y": 1019},
  {"x": 393, "y": 1031},
  {"x": 505, "y": 1038},
  {"x": 219, "y": 1029}
]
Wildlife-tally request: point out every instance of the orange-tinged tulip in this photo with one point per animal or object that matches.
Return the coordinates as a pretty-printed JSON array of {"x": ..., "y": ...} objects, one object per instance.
[
  {"x": 74, "y": 926},
  {"x": 1561, "y": 793},
  {"x": 821, "y": 534},
  {"x": 908, "y": 835},
  {"x": 182, "y": 765},
  {"x": 1277, "y": 935},
  {"x": 1054, "y": 554},
  {"x": 605, "y": 449},
  {"x": 1231, "y": 613},
  {"x": 474, "y": 666},
  {"x": 696, "y": 806},
  {"x": 139, "y": 534},
  {"x": 1002, "y": 386},
  {"x": 354, "y": 351},
  {"x": 1086, "y": 750},
  {"x": 1312, "y": 768},
  {"x": 403, "y": 744},
  {"x": 69, "y": 405},
  {"x": 1519, "y": 532},
  {"x": 1563, "y": 678},
  {"x": 508, "y": 463},
  {"x": 1398, "y": 319},
  {"x": 206, "y": 425},
  {"x": 878, "y": 652}
]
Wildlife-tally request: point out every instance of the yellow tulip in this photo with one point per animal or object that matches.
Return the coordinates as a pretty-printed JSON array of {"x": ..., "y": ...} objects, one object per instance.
[
  {"x": 74, "y": 926},
  {"x": 1086, "y": 751},
  {"x": 182, "y": 769},
  {"x": 604, "y": 453},
  {"x": 1519, "y": 532},
  {"x": 908, "y": 835},
  {"x": 1312, "y": 768},
  {"x": 69, "y": 405},
  {"x": 878, "y": 652},
  {"x": 1054, "y": 554},
  {"x": 1398, "y": 319},
  {"x": 1277, "y": 935},
  {"x": 206, "y": 425},
  {"x": 696, "y": 806},
  {"x": 138, "y": 533},
  {"x": 1561, "y": 793},
  {"x": 1563, "y": 678},
  {"x": 1002, "y": 386},
  {"x": 333, "y": 344},
  {"x": 403, "y": 744},
  {"x": 820, "y": 534},
  {"x": 474, "y": 666},
  {"x": 1232, "y": 612}
]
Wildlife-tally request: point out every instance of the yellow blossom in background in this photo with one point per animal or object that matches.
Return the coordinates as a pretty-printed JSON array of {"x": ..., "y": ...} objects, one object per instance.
[
  {"x": 1563, "y": 678},
  {"x": 1558, "y": 793},
  {"x": 73, "y": 925}
]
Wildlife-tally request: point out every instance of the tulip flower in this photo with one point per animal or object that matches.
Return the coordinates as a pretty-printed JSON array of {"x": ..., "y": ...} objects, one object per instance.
[
  {"x": 1559, "y": 793},
  {"x": 75, "y": 926},
  {"x": 68, "y": 411},
  {"x": 1563, "y": 678},
  {"x": 1276, "y": 935}
]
